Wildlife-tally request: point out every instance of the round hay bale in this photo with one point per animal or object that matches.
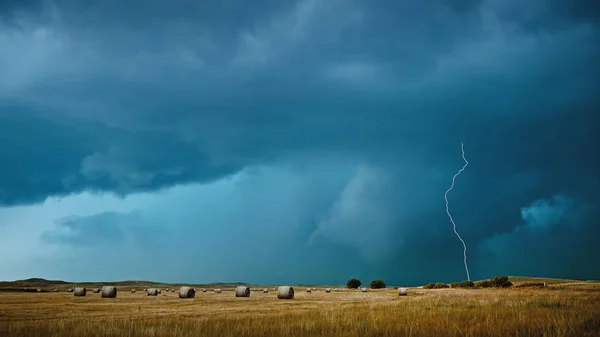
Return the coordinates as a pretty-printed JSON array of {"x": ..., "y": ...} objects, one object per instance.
[
  {"x": 242, "y": 291},
  {"x": 167, "y": 289},
  {"x": 133, "y": 291},
  {"x": 314, "y": 289},
  {"x": 203, "y": 290},
  {"x": 266, "y": 291},
  {"x": 39, "y": 290},
  {"x": 402, "y": 291},
  {"x": 109, "y": 292},
  {"x": 79, "y": 291},
  {"x": 328, "y": 290},
  {"x": 96, "y": 290},
  {"x": 70, "y": 290},
  {"x": 152, "y": 292},
  {"x": 308, "y": 290},
  {"x": 364, "y": 290},
  {"x": 285, "y": 293},
  {"x": 187, "y": 292},
  {"x": 218, "y": 291},
  {"x": 336, "y": 290}
]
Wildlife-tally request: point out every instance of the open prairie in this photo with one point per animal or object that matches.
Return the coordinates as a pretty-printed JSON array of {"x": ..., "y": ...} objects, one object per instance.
[{"x": 564, "y": 308}]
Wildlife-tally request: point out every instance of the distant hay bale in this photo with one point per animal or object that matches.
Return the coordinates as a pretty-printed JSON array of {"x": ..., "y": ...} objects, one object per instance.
[
  {"x": 308, "y": 290},
  {"x": 314, "y": 289},
  {"x": 167, "y": 289},
  {"x": 265, "y": 291},
  {"x": 402, "y": 291},
  {"x": 152, "y": 292},
  {"x": 187, "y": 292},
  {"x": 96, "y": 290},
  {"x": 203, "y": 290},
  {"x": 364, "y": 290},
  {"x": 145, "y": 289},
  {"x": 218, "y": 291},
  {"x": 79, "y": 291},
  {"x": 70, "y": 290},
  {"x": 109, "y": 292},
  {"x": 133, "y": 291},
  {"x": 327, "y": 290},
  {"x": 39, "y": 290},
  {"x": 336, "y": 290},
  {"x": 242, "y": 291},
  {"x": 285, "y": 293}
]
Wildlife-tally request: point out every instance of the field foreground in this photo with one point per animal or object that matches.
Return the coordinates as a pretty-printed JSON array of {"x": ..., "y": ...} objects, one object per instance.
[{"x": 565, "y": 310}]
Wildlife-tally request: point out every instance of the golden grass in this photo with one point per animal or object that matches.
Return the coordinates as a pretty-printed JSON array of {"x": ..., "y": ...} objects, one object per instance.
[{"x": 442, "y": 312}]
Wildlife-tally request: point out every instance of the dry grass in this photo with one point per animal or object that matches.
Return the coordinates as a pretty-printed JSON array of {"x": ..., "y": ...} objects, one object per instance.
[{"x": 567, "y": 311}]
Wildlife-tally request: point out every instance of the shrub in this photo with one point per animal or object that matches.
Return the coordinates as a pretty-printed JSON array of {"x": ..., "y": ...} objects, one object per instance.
[
  {"x": 429, "y": 286},
  {"x": 484, "y": 284},
  {"x": 439, "y": 285},
  {"x": 353, "y": 283},
  {"x": 463, "y": 284},
  {"x": 501, "y": 282},
  {"x": 377, "y": 284}
]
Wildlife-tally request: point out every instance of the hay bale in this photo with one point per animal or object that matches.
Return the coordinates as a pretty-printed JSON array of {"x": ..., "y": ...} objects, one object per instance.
[
  {"x": 187, "y": 292},
  {"x": 218, "y": 291},
  {"x": 133, "y": 291},
  {"x": 242, "y": 291},
  {"x": 96, "y": 290},
  {"x": 79, "y": 291},
  {"x": 152, "y": 292},
  {"x": 336, "y": 290},
  {"x": 55, "y": 290},
  {"x": 285, "y": 293},
  {"x": 167, "y": 289},
  {"x": 328, "y": 290},
  {"x": 109, "y": 292},
  {"x": 70, "y": 290},
  {"x": 308, "y": 290},
  {"x": 402, "y": 291},
  {"x": 39, "y": 290},
  {"x": 266, "y": 291},
  {"x": 364, "y": 290},
  {"x": 203, "y": 290}
]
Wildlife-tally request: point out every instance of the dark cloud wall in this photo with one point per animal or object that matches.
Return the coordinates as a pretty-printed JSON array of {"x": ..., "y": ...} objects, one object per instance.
[{"x": 124, "y": 98}]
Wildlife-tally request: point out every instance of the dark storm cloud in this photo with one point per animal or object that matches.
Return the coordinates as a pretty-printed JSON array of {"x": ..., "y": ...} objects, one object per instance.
[{"x": 124, "y": 98}]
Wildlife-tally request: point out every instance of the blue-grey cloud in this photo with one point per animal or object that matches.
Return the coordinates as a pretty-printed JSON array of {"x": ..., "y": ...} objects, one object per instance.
[{"x": 128, "y": 98}]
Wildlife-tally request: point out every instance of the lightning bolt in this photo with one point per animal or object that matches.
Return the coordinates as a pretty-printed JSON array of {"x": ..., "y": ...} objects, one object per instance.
[{"x": 448, "y": 210}]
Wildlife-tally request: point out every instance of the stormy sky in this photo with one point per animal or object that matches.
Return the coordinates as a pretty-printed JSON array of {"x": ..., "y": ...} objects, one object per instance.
[{"x": 298, "y": 141}]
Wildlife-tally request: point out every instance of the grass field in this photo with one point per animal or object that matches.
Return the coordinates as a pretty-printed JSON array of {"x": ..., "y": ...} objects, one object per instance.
[{"x": 565, "y": 308}]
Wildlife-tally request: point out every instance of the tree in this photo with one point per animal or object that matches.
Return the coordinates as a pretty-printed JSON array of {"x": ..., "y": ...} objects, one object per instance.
[
  {"x": 353, "y": 283},
  {"x": 377, "y": 284}
]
